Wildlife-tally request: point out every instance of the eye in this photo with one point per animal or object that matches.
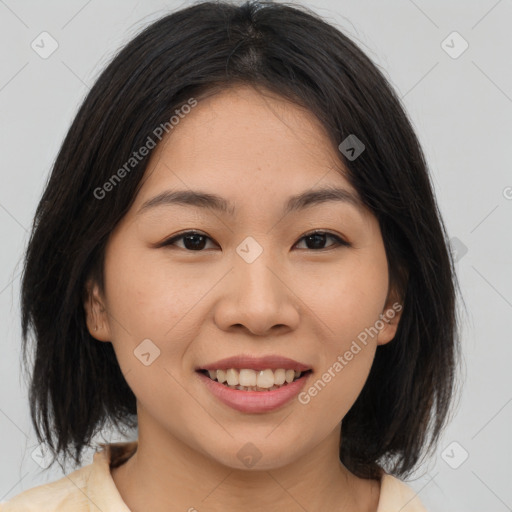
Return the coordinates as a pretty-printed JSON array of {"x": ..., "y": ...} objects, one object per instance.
[
  {"x": 192, "y": 241},
  {"x": 196, "y": 241},
  {"x": 317, "y": 239}
]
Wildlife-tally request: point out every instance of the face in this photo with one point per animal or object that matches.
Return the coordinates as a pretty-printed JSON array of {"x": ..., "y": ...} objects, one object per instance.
[{"x": 253, "y": 280}]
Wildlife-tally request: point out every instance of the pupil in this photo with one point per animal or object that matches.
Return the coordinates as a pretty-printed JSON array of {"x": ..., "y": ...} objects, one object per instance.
[
  {"x": 196, "y": 245},
  {"x": 317, "y": 237}
]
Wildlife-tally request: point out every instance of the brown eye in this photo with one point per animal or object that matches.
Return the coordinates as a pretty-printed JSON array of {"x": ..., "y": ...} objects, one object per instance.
[
  {"x": 192, "y": 241},
  {"x": 316, "y": 240}
]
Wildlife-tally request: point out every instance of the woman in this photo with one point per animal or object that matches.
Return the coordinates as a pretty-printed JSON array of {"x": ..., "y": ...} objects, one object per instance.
[{"x": 240, "y": 253}]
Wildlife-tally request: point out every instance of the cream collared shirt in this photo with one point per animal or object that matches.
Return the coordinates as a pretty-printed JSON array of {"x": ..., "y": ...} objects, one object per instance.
[{"x": 91, "y": 489}]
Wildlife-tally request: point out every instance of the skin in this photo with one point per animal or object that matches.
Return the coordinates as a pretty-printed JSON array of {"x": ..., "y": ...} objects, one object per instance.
[{"x": 295, "y": 299}]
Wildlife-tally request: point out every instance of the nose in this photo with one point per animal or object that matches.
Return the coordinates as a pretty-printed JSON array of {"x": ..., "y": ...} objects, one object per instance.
[{"x": 258, "y": 297}]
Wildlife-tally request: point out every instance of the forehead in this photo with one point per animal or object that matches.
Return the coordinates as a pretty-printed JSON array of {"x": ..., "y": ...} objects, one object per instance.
[{"x": 245, "y": 143}]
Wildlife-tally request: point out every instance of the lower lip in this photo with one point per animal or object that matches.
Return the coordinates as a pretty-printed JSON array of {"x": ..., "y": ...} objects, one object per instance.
[{"x": 254, "y": 401}]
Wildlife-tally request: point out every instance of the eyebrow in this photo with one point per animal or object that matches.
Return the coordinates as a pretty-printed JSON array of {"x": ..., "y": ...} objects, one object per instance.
[{"x": 297, "y": 202}]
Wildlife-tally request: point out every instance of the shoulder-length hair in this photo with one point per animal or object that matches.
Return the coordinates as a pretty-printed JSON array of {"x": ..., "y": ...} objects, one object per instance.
[{"x": 76, "y": 384}]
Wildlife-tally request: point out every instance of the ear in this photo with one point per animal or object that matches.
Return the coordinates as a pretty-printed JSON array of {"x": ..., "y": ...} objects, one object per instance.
[
  {"x": 96, "y": 312},
  {"x": 390, "y": 318}
]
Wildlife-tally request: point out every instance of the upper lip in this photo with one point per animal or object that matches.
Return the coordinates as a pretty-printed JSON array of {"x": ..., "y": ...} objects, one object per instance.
[{"x": 272, "y": 362}]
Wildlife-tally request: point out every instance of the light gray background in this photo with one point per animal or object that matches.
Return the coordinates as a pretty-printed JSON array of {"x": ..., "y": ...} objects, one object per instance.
[{"x": 462, "y": 111}]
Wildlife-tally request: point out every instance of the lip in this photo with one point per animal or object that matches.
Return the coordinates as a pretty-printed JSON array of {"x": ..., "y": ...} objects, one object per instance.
[
  {"x": 254, "y": 401},
  {"x": 272, "y": 362}
]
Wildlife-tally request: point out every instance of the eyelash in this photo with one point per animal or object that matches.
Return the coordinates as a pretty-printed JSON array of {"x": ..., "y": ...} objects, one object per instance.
[{"x": 340, "y": 242}]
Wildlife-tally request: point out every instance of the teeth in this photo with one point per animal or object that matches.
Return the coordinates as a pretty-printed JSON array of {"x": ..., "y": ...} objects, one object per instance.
[
  {"x": 265, "y": 379},
  {"x": 248, "y": 378},
  {"x": 232, "y": 377},
  {"x": 279, "y": 377},
  {"x": 252, "y": 379}
]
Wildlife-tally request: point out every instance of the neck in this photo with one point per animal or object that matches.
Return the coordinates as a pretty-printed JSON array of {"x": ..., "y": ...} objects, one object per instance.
[{"x": 167, "y": 474}]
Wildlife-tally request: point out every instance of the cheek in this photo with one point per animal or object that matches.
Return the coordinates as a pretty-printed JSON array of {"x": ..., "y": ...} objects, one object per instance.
[
  {"x": 349, "y": 307},
  {"x": 145, "y": 300},
  {"x": 147, "y": 316},
  {"x": 348, "y": 297},
  {"x": 148, "y": 302},
  {"x": 346, "y": 358}
]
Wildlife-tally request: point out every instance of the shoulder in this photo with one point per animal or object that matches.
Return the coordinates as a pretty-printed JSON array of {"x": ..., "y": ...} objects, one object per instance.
[
  {"x": 91, "y": 484},
  {"x": 62, "y": 494},
  {"x": 396, "y": 495}
]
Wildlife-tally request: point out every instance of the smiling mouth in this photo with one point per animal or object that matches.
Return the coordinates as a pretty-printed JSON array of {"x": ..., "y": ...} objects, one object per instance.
[{"x": 253, "y": 380}]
